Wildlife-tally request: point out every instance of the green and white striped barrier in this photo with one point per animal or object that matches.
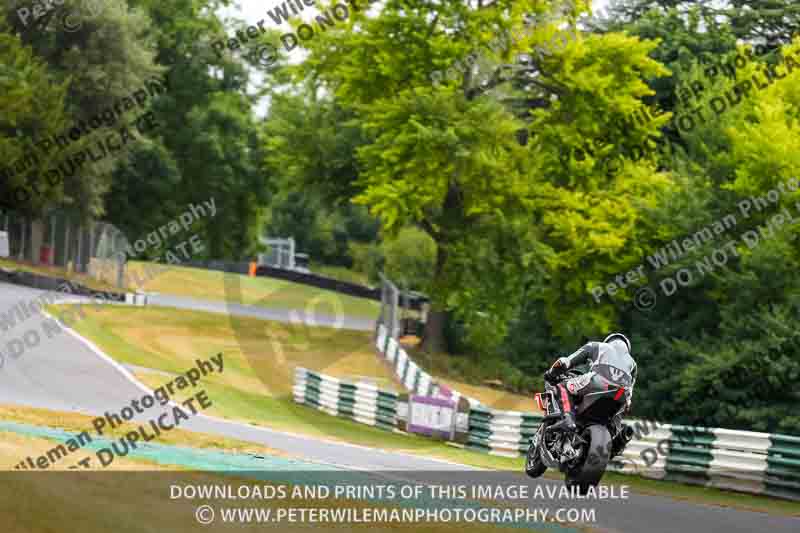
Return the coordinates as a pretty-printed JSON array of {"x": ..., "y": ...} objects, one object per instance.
[
  {"x": 137, "y": 299},
  {"x": 743, "y": 461},
  {"x": 362, "y": 402},
  {"x": 504, "y": 433},
  {"x": 408, "y": 373},
  {"x": 783, "y": 467}
]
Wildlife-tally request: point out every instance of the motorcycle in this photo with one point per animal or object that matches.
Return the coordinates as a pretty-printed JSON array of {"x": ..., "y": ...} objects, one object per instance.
[{"x": 583, "y": 454}]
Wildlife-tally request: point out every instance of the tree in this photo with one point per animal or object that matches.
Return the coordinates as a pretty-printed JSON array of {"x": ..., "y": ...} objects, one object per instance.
[
  {"x": 208, "y": 144},
  {"x": 101, "y": 61},
  {"x": 32, "y": 104},
  {"x": 310, "y": 143},
  {"x": 410, "y": 258},
  {"x": 773, "y": 22},
  {"x": 746, "y": 368},
  {"x": 438, "y": 158}
]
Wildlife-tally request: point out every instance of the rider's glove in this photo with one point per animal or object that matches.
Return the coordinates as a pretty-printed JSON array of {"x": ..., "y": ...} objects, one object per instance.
[{"x": 561, "y": 365}]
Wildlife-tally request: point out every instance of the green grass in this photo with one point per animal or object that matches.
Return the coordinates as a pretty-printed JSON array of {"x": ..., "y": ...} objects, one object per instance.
[
  {"x": 255, "y": 388},
  {"x": 260, "y": 291},
  {"x": 340, "y": 273},
  {"x": 259, "y": 356},
  {"x": 13, "y": 446}
]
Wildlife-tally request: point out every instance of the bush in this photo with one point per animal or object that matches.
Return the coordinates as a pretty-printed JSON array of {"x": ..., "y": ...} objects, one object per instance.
[
  {"x": 410, "y": 259},
  {"x": 367, "y": 259}
]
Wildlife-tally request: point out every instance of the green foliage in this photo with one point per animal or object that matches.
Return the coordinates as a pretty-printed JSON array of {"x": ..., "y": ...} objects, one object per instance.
[
  {"x": 310, "y": 143},
  {"x": 106, "y": 58},
  {"x": 208, "y": 145},
  {"x": 32, "y": 103},
  {"x": 436, "y": 158},
  {"x": 341, "y": 273},
  {"x": 477, "y": 370},
  {"x": 327, "y": 233},
  {"x": 776, "y": 21},
  {"x": 410, "y": 259},
  {"x": 723, "y": 349},
  {"x": 367, "y": 259},
  {"x": 309, "y": 147}
]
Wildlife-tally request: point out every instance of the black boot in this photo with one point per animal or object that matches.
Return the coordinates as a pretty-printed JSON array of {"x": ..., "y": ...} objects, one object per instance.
[{"x": 567, "y": 422}]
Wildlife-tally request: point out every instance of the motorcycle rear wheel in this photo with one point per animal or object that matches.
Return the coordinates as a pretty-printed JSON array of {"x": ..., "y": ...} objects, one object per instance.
[{"x": 595, "y": 459}]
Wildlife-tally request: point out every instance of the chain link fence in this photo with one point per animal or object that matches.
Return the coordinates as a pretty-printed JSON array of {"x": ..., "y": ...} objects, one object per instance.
[
  {"x": 402, "y": 312},
  {"x": 59, "y": 239},
  {"x": 390, "y": 307}
]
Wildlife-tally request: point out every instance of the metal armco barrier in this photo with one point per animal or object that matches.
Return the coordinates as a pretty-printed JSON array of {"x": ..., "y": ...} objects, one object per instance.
[
  {"x": 66, "y": 288},
  {"x": 361, "y": 402},
  {"x": 321, "y": 282}
]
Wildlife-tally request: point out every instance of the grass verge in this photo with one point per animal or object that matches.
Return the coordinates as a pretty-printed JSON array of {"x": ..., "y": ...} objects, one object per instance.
[
  {"x": 76, "y": 423},
  {"x": 340, "y": 273},
  {"x": 14, "y": 448},
  {"x": 260, "y": 291}
]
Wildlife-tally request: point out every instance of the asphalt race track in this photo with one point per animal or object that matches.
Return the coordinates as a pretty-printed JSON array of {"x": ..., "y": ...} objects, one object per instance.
[
  {"x": 279, "y": 315},
  {"x": 64, "y": 373}
]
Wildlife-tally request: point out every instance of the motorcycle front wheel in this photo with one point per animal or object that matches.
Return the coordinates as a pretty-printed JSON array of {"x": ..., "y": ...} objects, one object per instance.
[
  {"x": 596, "y": 453},
  {"x": 534, "y": 466}
]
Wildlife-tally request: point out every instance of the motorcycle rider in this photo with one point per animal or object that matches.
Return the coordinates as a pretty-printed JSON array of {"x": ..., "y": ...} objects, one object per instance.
[{"x": 615, "y": 351}]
